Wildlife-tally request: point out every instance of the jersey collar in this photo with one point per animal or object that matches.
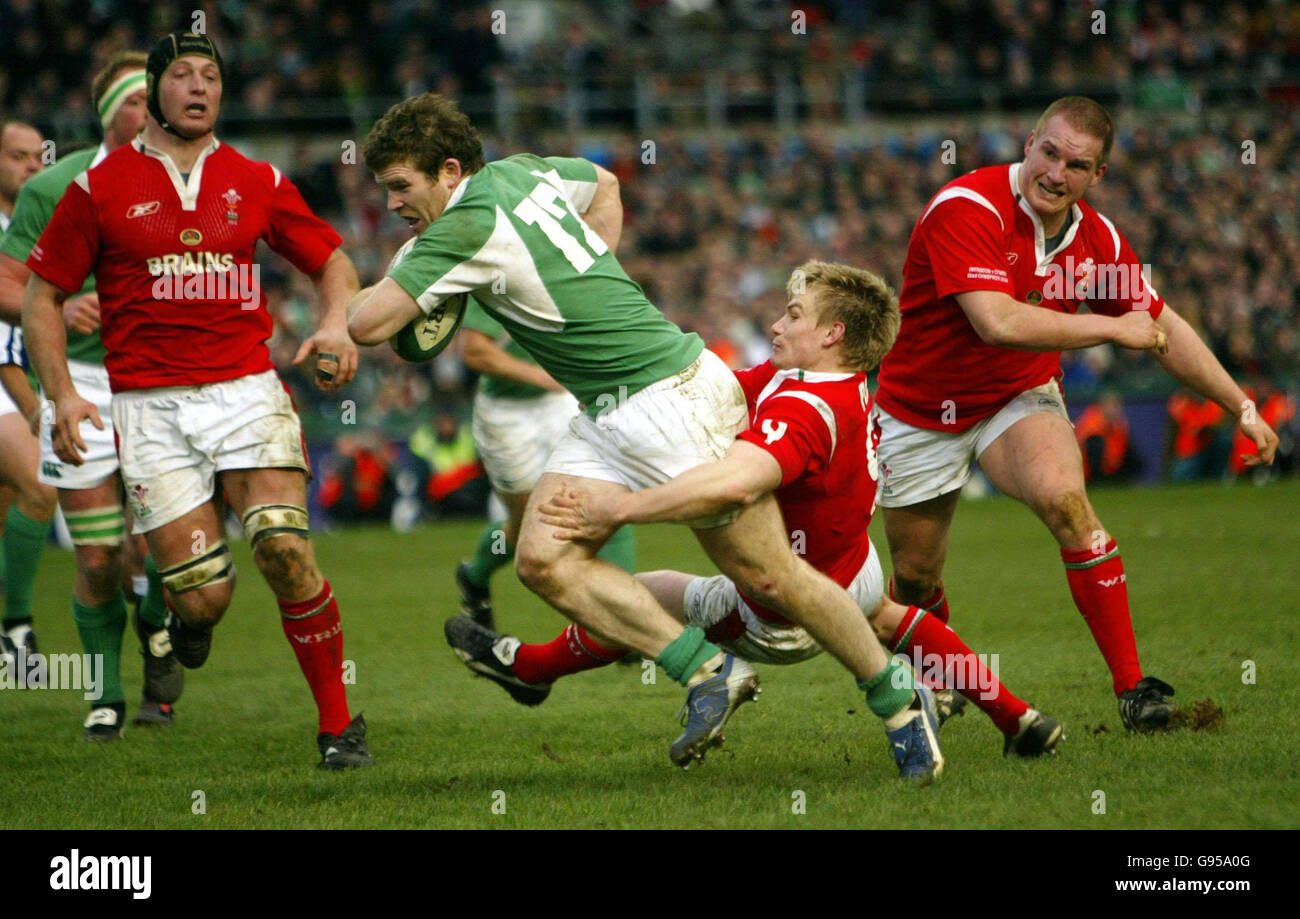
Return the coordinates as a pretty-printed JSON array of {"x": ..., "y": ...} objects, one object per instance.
[
  {"x": 188, "y": 192},
  {"x": 99, "y": 156},
  {"x": 1043, "y": 259},
  {"x": 806, "y": 376}
]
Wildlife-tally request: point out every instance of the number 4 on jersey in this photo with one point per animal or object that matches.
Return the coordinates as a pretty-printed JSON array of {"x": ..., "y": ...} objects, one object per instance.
[
  {"x": 544, "y": 208},
  {"x": 773, "y": 432}
]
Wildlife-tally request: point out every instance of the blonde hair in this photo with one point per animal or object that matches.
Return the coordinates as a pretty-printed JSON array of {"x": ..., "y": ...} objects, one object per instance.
[{"x": 860, "y": 300}]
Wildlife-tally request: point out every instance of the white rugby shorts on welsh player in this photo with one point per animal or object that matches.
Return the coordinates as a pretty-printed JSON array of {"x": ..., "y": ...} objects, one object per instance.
[
  {"x": 917, "y": 464},
  {"x": 711, "y": 600},
  {"x": 100, "y": 458},
  {"x": 516, "y": 436},
  {"x": 174, "y": 440},
  {"x": 659, "y": 432}
]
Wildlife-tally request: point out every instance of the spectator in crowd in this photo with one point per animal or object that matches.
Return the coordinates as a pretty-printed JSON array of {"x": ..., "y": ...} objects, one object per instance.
[
  {"x": 357, "y": 484},
  {"x": 1201, "y": 438},
  {"x": 456, "y": 485},
  {"x": 1102, "y": 430}
]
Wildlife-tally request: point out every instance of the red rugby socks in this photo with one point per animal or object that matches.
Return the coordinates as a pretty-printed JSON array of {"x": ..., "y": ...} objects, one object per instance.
[
  {"x": 572, "y": 651},
  {"x": 1100, "y": 590},
  {"x": 941, "y": 659},
  {"x": 316, "y": 636}
]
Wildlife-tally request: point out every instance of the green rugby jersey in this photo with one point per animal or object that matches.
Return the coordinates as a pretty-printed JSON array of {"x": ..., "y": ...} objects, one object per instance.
[
  {"x": 32, "y": 211},
  {"x": 476, "y": 318},
  {"x": 512, "y": 236}
]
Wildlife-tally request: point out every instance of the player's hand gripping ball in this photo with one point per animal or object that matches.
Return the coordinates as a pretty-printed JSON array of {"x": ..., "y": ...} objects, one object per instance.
[{"x": 425, "y": 337}]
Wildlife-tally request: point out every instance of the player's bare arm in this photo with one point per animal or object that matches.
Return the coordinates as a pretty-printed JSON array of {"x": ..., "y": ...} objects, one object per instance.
[
  {"x": 482, "y": 355},
  {"x": 1003, "y": 321},
  {"x": 1191, "y": 363},
  {"x": 605, "y": 213},
  {"x": 336, "y": 354},
  {"x": 376, "y": 313},
  {"x": 47, "y": 342},
  {"x": 13, "y": 287},
  {"x": 739, "y": 479},
  {"x": 15, "y": 384}
]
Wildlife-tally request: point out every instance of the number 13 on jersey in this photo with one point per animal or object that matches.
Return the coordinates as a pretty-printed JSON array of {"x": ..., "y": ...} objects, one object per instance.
[{"x": 544, "y": 208}]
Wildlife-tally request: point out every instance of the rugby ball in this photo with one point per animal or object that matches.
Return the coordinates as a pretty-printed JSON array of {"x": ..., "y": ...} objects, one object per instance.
[{"x": 425, "y": 337}]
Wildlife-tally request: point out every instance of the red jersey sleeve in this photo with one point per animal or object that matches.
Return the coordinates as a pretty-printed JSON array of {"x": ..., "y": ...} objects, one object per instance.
[
  {"x": 1129, "y": 288},
  {"x": 964, "y": 241},
  {"x": 69, "y": 246},
  {"x": 794, "y": 431},
  {"x": 296, "y": 233}
]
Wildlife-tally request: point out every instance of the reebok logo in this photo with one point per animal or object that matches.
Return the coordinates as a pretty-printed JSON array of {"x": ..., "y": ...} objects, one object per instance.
[
  {"x": 142, "y": 210},
  {"x": 103, "y": 872},
  {"x": 1111, "y": 582}
]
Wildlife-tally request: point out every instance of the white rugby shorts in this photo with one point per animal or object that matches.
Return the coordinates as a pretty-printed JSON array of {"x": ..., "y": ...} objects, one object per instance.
[
  {"x": 917, "y": 464},
  {"x": 173, "y": 441},
  {"x": 711, "y": 600},
  {"x": 100, "y": 458},
  {"x": 659, "y": 432},
  {"x": 516, "y": 436}
]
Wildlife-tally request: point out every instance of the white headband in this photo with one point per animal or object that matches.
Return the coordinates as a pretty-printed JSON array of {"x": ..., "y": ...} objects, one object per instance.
[{"x": 127, "y": 83}]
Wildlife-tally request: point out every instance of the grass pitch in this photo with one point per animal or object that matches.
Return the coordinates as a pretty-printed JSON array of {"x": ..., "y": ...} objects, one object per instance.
[{"x": 1212, "y": 578}]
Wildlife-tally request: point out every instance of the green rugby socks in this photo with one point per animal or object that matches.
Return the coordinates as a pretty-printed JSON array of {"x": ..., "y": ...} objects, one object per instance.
[
  {"x": 24, "y": 544},
  {"x": 100, "y": 628}
]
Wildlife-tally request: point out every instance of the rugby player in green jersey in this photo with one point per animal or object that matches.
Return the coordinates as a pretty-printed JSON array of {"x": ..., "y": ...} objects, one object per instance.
[{"x": 532, "y": 239}]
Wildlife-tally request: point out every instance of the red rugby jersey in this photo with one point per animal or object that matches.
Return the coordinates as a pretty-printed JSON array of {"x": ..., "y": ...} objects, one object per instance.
[
  {"x": 818, "y": 427},
  {"x": 977, "y": 233},
  {"x": 180, "y": 302}
]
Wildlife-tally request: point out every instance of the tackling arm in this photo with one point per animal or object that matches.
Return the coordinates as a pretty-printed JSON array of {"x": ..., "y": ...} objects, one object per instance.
[
  {"x": 482, "y": 355},
  {"x": 1191, "y": 363},
  {"x": 1000, "y": 320},
  {"x": 744, "y": 475}
]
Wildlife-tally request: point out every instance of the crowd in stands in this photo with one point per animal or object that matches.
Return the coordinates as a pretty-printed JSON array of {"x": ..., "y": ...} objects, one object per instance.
[{"x": 286, "y": 56}]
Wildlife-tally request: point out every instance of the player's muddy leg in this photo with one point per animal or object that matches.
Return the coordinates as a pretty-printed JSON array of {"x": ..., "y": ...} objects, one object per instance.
[
  {"x": 272, "y": 505},
  {"x": 597, "y": 595},
  {"x": 194, "y": 562},
  {"x": 1037, "y": 461},
  {"x": 918, "y": 547},
  {"x": 754, "y": 552}
]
